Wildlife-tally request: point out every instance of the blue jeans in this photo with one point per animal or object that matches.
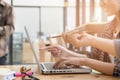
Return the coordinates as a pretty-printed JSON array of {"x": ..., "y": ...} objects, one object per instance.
[{"x": 3, "y": 59}]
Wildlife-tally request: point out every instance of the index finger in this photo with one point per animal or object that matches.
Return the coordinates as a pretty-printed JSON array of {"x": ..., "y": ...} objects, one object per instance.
[{"x": 48, "y": 48}]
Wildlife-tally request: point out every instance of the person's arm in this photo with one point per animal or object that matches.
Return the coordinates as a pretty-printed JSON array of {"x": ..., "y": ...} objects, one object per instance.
[
  {"x": 106, "y": 45},
  {"x": 84, "y": 39},
  {"x": 103, "y": 67},
  {"x": 8, "y": 28},
  {"x": 95, "y": 28},
  {"x": 90, "y": 28},
  {"x": 60, "y": 51}
]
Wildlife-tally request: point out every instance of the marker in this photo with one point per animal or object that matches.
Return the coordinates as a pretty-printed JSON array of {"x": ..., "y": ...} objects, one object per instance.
[{"x": 19, "y": 74}]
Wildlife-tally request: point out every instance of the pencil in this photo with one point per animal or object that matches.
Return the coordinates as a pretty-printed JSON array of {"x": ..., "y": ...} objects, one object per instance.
[
  {"x": 56, "y": 36},
  {"x": 80, "y": 29}
]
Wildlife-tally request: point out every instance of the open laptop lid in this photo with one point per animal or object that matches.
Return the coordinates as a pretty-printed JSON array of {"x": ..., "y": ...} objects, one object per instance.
[
  {"x": 44, "y": 71},
  {"x": 33, "y": 50}
]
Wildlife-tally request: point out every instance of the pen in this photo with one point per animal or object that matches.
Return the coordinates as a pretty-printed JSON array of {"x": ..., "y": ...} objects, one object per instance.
[
  {"x": 30, "y": 76},
  {"x": 65, "y": 32},
  {"x": 61, "y": 35},
  {"x": 56, "y": 36}
]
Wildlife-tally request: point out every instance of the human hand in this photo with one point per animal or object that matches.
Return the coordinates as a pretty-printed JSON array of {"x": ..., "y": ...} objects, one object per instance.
[
  {"x": 60, "y": 51},
  {"x": 65, "y": 35},
  {"x": 68, "y": 61},
  {"x": 57, "y": 51},
  {"x": 78, "y": 39}
]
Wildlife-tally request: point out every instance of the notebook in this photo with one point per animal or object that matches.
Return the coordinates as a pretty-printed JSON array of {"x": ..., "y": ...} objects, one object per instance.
[{"x": 47, "y": 67}]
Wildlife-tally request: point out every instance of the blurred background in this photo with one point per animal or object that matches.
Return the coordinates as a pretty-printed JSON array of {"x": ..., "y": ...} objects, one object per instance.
[{"x": 44, "y": 18}]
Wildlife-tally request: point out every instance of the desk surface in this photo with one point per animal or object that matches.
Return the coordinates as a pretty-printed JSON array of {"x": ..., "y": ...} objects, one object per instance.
[{"x": 92, "y": 76}]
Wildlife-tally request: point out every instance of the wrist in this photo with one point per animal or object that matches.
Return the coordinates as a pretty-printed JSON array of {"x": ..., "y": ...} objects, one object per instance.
[
  {"x": 77, "y": 55},
  {"x": 92, "y": 40},
  {"x": 82, "y": 56},
  {"x": 83, "y": 61},
  {"x": 86, "y": 61}
]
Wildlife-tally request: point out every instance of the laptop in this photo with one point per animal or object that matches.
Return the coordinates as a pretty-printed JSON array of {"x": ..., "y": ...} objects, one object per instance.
[{"x": 47, "y": 67}]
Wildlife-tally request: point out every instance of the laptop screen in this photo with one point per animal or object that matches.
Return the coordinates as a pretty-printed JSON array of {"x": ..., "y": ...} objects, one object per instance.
[
  {"x": 33, "y": 50},
  {"x": 45, "y": 71}
]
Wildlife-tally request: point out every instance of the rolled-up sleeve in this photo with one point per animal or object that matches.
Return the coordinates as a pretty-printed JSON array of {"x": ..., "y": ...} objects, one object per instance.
[
  {"x": 117, "y": 47},
  {"x": 116, "y": 71}
]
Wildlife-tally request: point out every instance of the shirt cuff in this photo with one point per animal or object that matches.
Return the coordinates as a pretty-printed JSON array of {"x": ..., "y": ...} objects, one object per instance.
[
  {"x": 116, "y": 71},
  {"x": 117, "y": 47}
]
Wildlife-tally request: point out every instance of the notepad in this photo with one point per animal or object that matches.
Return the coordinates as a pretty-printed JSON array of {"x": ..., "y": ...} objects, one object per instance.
[{"x": 6, "y": 74}]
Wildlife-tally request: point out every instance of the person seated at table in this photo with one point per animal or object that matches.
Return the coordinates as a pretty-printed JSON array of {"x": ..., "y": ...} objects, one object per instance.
[
  {"x": 67, "y": 57},
  {"x": 108, "y": 30}
]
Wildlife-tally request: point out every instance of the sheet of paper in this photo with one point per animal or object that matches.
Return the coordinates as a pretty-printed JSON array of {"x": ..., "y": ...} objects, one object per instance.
[
  {"x": 6, "y": 74},
  {"x": 4, "y": 71}
]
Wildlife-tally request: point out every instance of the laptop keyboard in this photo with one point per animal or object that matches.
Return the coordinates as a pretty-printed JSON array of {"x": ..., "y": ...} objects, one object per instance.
[{"x": 49, "y": 66}]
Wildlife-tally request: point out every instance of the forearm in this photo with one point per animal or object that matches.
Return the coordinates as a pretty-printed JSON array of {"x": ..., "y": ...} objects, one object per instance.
[
  {"x": 89, "y": 28},
  {"x": 105, "y": 68},
  {"x": 9, "y": 26},
  {"x": 74, "y": 54},
  {"x": 93, "y": 28},
  {"x": 7, "y": 29},
  {"x": 78, "y": 29},
  {"x": 106, "y": 45}
]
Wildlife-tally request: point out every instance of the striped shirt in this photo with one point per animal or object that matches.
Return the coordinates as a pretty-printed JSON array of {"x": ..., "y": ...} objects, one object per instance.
[
  {"x": 107, "y": 33},
  {"x": 6, "y": 25}
]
